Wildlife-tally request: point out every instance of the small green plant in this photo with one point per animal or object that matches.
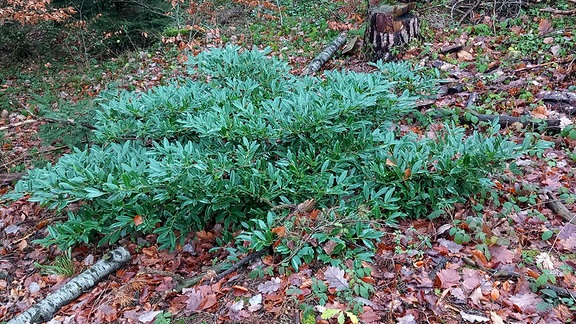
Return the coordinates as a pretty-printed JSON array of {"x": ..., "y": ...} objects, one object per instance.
[
  {"x": 163, "y": 318},
  {"x": 260, "y": 272},
  {"x": 340, "y": 315},
  {"x": 309, "y": 319},
  {"x": 303, "y": 239},
  {"x": 569, "y": 132},
  {"x": 308, "y": 314},
  {"x": 550, "y": 296},
  {"x": 459, "y": 234},
  {"x": 320, "y": 291},
  {"x": 63, "y": 265},
  {"x": 546, "y": 277},
  {"x": 529, "y": 256},
  {"x": 479, "y": 29}
]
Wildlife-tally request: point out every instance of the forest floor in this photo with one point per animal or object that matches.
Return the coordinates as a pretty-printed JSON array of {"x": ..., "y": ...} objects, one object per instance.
[{"x": 512, "y": 260}]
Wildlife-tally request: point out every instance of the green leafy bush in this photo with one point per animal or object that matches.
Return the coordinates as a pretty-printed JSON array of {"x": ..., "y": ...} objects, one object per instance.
[{"x": 244, "y": 135}]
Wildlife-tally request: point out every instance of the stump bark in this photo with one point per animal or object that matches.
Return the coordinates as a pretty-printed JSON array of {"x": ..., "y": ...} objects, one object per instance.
[{"x": 389, "y": 27}]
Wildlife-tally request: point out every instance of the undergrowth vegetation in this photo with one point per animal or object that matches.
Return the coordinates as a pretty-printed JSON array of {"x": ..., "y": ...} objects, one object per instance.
[{"x": 243, "y": 136}]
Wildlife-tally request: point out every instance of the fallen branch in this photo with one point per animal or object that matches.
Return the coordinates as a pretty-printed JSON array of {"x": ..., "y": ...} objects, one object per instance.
[
  {"x": 535, "y": 66},
  {"x": 558, "y": 207},
  {"x": 325, "y": 55},
  {"x": 29, "y": 121},
  {"x": 45, "y": 310},
  {"x": 8, "y": 178},
  {"x": 217, "y": 272},
  {"x": 558, "y": 11},
  {"x": 552, "y": 125},
  {"x": 560, "y": 96},
  {"x": 562, "y": 101},
  {"x": 27, "y": 155},
  {"x": 47, "y": 120}
]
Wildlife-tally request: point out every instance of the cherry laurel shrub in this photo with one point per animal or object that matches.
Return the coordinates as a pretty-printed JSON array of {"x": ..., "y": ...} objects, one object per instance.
[{"x": 243, "y": 135}]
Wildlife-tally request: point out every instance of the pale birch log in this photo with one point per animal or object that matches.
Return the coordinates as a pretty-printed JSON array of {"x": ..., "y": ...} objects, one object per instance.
[
  {"x": 325, "y": 55},
  {"x": 45, "y": 310}
]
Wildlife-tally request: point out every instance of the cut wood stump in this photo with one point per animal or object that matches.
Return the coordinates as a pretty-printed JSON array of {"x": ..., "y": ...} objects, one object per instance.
[{"x": 389, "y": 27}]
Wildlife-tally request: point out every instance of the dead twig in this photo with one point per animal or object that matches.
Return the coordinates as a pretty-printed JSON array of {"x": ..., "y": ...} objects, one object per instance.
[
  {"x": 240, "y": 263},
  {"x": 178, "y": 278},
  {"x": 214, "y": 274},
  {"x": 559, "y": 208},
  {"x": 47, "y": 120},
  {"x": 22, "y": 123},
  {"x": 27, "y": 155},
  {"x": 37, "y": 119},
  {"x": 558, "y": 11},
  {"x": 530, "y": 67}
]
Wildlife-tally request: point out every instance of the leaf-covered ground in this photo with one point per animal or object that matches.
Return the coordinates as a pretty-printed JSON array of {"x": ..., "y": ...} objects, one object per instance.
[{"x": 512, "y": 260}]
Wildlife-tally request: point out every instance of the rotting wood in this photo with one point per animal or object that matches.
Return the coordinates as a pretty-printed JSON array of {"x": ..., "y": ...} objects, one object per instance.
[
  {"x": 388, "y": 27},
  {"x": 452, "y": 48},
  {"x": 561, "y": 101},
  {"x": 561, "y": 96},
  {"x": 552, "y": 125},
  {"x": 325, "y": 55},
  {"x": 45, "y": 309},
  {"x": 8, "y": 178},
  {"x": 558, "y": 207}
]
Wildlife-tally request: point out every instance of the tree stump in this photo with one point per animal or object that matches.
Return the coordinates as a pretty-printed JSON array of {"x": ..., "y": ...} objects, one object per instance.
[{"x": 389, "y": 26}]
